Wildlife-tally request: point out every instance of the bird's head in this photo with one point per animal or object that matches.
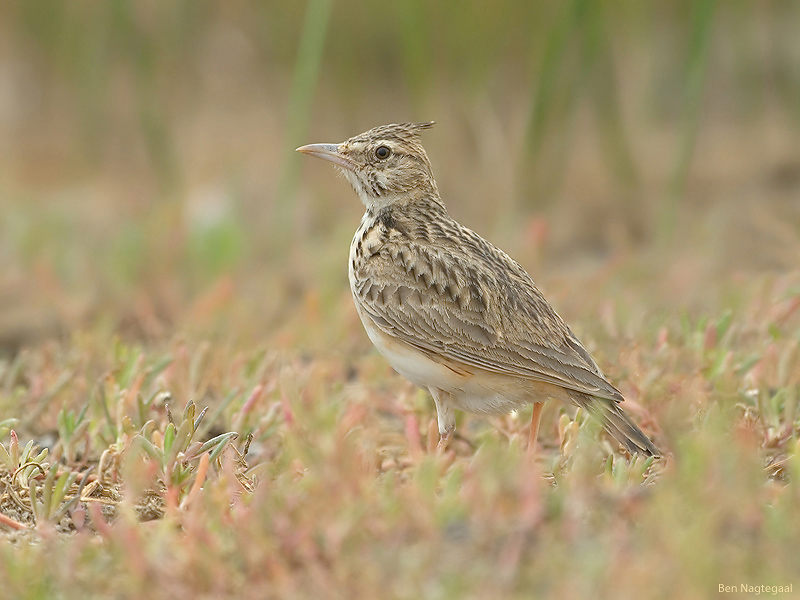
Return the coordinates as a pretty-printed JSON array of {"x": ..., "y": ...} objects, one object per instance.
[{"x": 385, "y": 165}]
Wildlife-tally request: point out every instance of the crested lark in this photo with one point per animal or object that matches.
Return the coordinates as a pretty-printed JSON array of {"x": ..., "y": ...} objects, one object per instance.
[{"x": 451, "y": 312}]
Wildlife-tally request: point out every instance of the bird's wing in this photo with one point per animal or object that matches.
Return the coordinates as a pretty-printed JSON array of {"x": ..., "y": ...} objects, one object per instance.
[{"x": 472, "y": 304}]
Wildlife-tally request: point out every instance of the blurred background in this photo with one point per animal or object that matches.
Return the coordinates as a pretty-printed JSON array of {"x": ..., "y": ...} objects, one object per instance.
[{"x": 647, "y": 152}]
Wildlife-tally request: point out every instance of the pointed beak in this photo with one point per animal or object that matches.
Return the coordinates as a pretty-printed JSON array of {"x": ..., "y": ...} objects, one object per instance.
[{"x": 329, "y": 152}]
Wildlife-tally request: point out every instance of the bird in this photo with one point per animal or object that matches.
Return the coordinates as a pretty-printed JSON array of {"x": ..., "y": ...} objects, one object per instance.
[{"x": 450, "y": 311}]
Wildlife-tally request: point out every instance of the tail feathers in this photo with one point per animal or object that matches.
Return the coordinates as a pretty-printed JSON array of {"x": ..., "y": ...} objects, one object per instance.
[{"x": 617, "y": 423}]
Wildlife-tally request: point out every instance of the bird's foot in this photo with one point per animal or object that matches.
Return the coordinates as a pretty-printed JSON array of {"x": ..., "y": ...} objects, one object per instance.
[{"x": 444, "y": 439}]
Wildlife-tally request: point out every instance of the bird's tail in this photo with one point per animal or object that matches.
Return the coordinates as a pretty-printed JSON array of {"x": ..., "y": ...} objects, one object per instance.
[{"x": 617, "y": 423}]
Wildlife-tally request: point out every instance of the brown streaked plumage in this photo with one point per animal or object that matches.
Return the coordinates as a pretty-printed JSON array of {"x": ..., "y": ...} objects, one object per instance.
[{"x": 449, "y": 310}]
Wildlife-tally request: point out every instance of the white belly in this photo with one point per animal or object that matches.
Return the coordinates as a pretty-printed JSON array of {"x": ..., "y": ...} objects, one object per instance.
[
  {"x": 410, "y": 363},
  {"x": 470, "y": 391}
]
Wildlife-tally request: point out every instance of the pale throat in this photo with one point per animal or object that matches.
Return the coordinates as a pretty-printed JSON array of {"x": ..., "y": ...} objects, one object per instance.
[{"x": 368, "y": 197}]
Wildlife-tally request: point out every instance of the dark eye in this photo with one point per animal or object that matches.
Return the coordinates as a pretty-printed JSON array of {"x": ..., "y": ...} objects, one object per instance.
[{"x": 382, "y": 152}]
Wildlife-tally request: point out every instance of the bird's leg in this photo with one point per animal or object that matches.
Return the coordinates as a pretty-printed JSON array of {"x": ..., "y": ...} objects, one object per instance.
[
  {"x": 534, "y": 433},
  {"x": 445, "y": 415},
  {"x": 444, "y": 439}
]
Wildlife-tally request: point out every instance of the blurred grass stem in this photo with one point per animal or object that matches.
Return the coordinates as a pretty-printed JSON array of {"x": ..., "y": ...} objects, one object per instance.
[
  {"x": 699, "y": 41},
  {"x": 304, "y": 80}
]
